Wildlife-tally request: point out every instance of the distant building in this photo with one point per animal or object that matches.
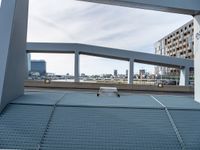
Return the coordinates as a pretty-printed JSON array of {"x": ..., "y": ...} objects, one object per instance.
[
  {"x": 38, "y": 66},
  {"x": 115, "y": 73},
  {"x": 83, "y": 75},
  {"x": 179, "y": 43},
  {"x": 142, "y": 73}
]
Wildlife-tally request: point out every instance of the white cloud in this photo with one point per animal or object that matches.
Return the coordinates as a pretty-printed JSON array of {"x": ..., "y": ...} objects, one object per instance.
[
  {"x": 91, "y": 65},
  {"x": 97, "y": 24}
]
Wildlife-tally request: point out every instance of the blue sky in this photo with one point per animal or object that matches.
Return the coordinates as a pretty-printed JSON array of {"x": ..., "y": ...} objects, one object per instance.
[{"x": 97, "y": 24}]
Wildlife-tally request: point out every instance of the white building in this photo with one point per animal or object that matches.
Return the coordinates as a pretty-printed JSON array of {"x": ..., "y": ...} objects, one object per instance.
[{"x": 179, "y": 43}]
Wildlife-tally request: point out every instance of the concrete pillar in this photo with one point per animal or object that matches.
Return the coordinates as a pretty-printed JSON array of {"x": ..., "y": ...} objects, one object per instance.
[
  {"x": 131, "y": 71},
  {"x": 197, "y": 57},
  {"x": 29, "y": 61},
  {"x": 76, "y": 67},
  {"x": 13, "y": 34},
  {"x": 28, "y": 64},
  {"x": 184, "y": 76}
]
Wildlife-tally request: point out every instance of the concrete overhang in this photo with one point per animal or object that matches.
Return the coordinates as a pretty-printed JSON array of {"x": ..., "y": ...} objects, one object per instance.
[
  {"x": 112, "y": 53},
  {"x": 189, "y": 7}
]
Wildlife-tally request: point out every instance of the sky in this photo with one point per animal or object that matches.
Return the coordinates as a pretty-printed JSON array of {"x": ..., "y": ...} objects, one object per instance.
[{"x": 72, "y": 21}]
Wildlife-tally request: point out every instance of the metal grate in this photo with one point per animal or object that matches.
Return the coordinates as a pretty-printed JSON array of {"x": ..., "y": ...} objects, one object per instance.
[
  {"x": 178, "y": 102},
  {"x": 128, "y": 101},
  {"x": 172, "y": 123},
  {"x": 188, "y": 124},
  {"x": 103, "y": 128},
  {"x": 39, "y": 98},
  {"x": 48, "y": 123},
  {"x": 83, "y": 121},
  {"x": 22, "y": 126}
]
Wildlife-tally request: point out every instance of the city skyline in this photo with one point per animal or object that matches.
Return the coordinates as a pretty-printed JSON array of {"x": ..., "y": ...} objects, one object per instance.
[{"x": 82, "y": 22}]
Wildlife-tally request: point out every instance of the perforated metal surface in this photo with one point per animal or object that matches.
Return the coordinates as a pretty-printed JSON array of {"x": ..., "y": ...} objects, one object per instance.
[
  {"x": 21, "y": 126},
  {"x": 41, "y": 98},
  {"x": 188, "y": 124},
  {"x": 103, "y": 128},
  {"x": 178, "y": 102},
  {"x": 131, "y": 100},
  {"x": 133, "y": 121}
]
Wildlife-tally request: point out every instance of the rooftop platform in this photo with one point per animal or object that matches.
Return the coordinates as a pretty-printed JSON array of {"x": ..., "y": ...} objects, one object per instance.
[{"x": 80, "y": 120}]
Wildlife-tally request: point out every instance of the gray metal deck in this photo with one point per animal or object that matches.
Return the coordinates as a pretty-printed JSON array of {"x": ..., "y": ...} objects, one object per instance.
[
  {"x": 189, "y": 127},
  {"x": 103, "y": 128},
  {"x": 22, "y": 126},
  {"x": 83, "y": 121},
  {"x": 178, "y": 102}
]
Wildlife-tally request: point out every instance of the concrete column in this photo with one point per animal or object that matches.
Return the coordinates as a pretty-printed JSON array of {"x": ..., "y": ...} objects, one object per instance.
[
  {"x": 28, "y": 64},
  {"x": 197, "y": 57},
  {"x": 76, "y": 67},
  {"x": 131, "y": 71},
  {"x": 29, "y": 61},
  {"x": 184, "y": 76},
  {"x": 13, "y": 34}
]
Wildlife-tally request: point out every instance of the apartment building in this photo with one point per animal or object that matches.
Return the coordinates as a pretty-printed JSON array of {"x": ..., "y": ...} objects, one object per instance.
[{"x": 179, "y": 44}]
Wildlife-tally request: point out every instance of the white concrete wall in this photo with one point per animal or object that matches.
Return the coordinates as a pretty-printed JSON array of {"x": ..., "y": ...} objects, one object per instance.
[
  {"x": 13, "y": 35},
  {"x": 197, "y": 57}
]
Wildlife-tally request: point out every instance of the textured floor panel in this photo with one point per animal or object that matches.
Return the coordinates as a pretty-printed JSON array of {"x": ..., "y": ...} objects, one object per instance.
[
  {"x": 45, "y": 98},
  {"x": 22, "y": 126},
  {"x": 188, "y": 124},
  {"x": 178, "y": 102},
  {"x": 99, "y": 128},
  {"x": 86, "y": 99},
  {"x": 79, "y": 128}
]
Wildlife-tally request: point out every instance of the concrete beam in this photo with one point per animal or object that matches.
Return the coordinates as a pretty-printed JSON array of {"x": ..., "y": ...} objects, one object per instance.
[
  {"x": 112, "y": 53},
  {"x": 190, "y": 7},
  {"x": 184, "y": 76},
  {"x": 13, "y": 33},
  {"x": 197, "y": 57}
]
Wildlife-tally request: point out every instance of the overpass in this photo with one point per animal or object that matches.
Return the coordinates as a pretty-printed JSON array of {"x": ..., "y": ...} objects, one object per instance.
[
  {"x": 132, "y": 56},
  {"x": 13, "y": 29}
]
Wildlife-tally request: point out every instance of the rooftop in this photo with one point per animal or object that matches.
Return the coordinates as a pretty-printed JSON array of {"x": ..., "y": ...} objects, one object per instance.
[{"x": 81, "y": 120}]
